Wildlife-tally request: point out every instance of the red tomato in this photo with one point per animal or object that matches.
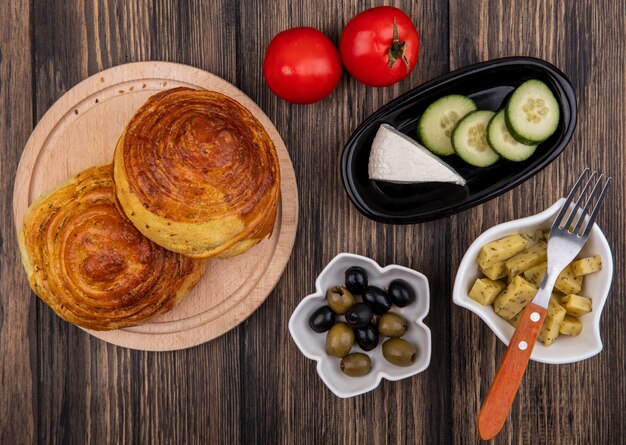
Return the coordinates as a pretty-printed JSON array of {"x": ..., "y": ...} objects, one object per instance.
[
  {"x": 302, "y": 65},
  {"x": 379, "y": 47}
]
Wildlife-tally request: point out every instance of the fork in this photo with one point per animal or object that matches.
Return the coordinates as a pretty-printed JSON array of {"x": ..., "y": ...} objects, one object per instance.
[{"x": 568, "y": 234}]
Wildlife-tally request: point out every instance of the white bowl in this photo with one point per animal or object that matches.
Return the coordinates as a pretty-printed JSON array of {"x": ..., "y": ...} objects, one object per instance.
[
  {"x": 312, "y": 344},
  {"x": 565, "y": 349}
]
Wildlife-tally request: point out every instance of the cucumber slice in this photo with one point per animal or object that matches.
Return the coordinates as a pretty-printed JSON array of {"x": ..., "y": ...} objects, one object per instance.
[
  {"x": 532, "y": 113},
  {"x": 438, "y": 120},
  {"x": 503, "y": 143},
  {"x": 469, "y": 139}
]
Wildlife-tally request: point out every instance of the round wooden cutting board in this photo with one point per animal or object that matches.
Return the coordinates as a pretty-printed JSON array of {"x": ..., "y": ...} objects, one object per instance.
[{"x": 81, "y": 129}]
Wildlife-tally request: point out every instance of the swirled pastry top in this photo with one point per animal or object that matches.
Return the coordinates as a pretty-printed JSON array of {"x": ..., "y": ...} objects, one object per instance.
[
  {"x": 88, "y": 262},
  {"x": 197, "y": 173}
]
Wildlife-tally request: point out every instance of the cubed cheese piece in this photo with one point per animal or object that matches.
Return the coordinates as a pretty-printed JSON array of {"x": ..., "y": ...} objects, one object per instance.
[
  {"x": 523, "y": 261},
  {"x": 516, "y": 295},
  {"x": 513, "y": 321},
  {"x": 558, "y": 296},
  {"x": 552, "y": 323},
  {"x": 395, "y": 157},
  {"x": 501, "y": 250},
  {"x": 533, "y": 237},
  {"x": 576, "y": 305},
  {"x": 485, "y": 290},
  {"x": 495, "y": 272},
  {"x": 587, "y": 265},
  {"x": 535, "y": 274},
  {"x": 571, "y": 326},
  {"x": 567, "y": 282}
]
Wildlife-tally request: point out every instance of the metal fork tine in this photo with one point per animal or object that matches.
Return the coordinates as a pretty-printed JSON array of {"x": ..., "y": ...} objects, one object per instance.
[
  {"x": 592, "y": 219},
  {"x": 568, "y": 201},
  {"x": 585, "y": 211},
  {"x": 574, "y": 212}
]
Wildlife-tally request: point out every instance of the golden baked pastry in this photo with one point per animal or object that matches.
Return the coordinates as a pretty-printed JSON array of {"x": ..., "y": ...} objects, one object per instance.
[
  {"x": 88, "y": 262},
  {"x": 198, "y": 174}
]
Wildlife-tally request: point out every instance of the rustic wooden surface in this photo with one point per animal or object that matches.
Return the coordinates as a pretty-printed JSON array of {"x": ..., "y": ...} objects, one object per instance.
[{"x": 59, "y": 385}]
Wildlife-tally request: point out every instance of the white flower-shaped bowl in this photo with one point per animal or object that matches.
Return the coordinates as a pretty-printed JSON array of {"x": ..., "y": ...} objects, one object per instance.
[
  {"x": 596, "y": 286},
  {"x": 313, "y": 345}
]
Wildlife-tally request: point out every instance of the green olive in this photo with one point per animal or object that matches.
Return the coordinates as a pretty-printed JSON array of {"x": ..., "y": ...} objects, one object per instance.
[
  {"x": 399, "y": 352},
  {"x": 356, "y": 364},
  {"x": 339, "y": 299},
  {"x": 339, "y": 340},
  {"x": 392, "y": 325}
]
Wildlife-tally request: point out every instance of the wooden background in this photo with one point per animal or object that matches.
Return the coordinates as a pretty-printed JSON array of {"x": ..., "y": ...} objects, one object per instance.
[{"x": 59, "y": 385}]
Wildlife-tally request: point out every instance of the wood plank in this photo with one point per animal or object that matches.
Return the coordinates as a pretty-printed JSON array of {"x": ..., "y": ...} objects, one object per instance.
[
  {"x": 259, "y": 380},
  {"x": 285, "y": 401},
  {"x": 18, "y": 342},
  {"x": 91, "y": 391},
  {"x": 575, "y": 403}
]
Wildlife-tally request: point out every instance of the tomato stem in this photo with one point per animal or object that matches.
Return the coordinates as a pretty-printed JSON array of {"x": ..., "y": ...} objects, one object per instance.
[{"x": 397, "y": 49}]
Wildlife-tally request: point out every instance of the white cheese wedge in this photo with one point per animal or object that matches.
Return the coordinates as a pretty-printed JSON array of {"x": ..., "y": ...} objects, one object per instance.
[{"x": 397, "y": 158}]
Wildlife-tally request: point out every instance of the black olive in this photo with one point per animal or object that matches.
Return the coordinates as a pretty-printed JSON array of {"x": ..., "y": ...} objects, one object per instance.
[
  {"x": 367, "y": 337},
  {"x": 356, "y": 280},
  {"x": 359, "y": 315},
  {"x": 322, "y": 319},
  {"x": 377, "y": 298},
  {"x": 401, "y": 293}
]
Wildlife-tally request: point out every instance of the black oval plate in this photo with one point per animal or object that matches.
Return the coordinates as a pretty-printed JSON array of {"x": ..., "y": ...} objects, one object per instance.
[{"x": 489, "y": 84}]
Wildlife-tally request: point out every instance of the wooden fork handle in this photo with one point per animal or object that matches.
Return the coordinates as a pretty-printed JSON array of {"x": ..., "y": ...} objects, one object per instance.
[{"x": 497, "y": 404}]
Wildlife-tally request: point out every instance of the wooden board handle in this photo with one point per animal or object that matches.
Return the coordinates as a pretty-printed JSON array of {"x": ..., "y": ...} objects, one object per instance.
[{"x": 497, "y": 404}]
